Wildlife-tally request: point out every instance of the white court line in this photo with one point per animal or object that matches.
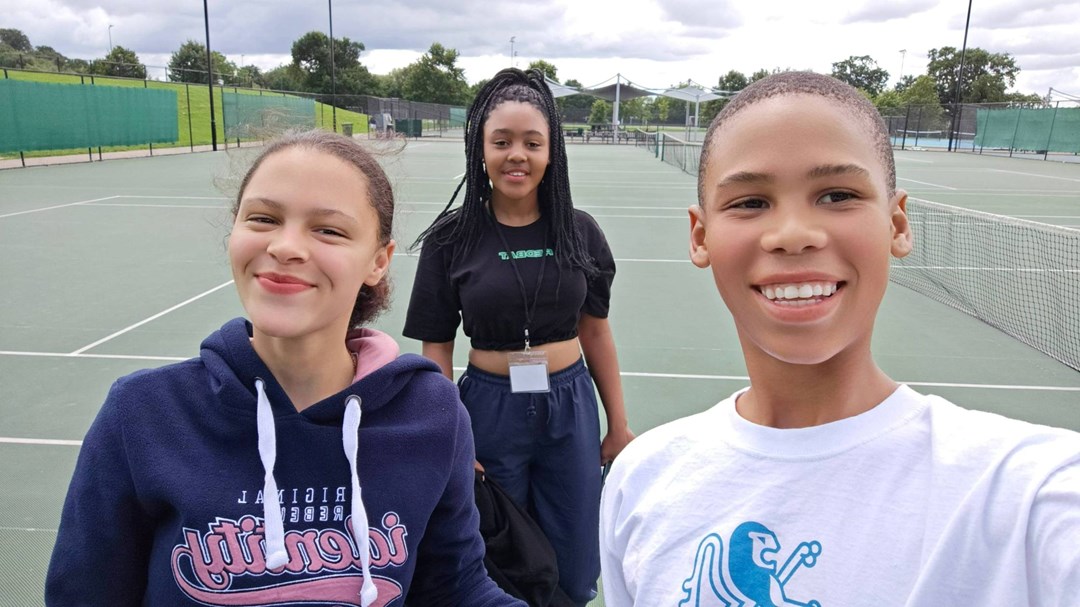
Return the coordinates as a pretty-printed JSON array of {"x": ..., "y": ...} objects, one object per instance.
[
  {"x": 59, "y": 206},
  {"x": 910, "y": 383},
  {"x": 906, "y": 159},
  {"x": 154, "y": 317},
  {"x": 108, "y": 356},
  {"x": 623, "y": 373},
  {"x": 936, "y": 185},
  {"x": 39, "y": 441},
  {"x": 457, "y": 177},
  {"x": 28, "y": 529},
  {"x": 1034, "y": 175}
]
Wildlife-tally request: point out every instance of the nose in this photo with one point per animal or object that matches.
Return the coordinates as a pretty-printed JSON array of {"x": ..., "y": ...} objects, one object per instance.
[
  {"x": 288, "y": 245},
  {"x": 517, "y": 154},
  {"x": 793, "y": 229}
]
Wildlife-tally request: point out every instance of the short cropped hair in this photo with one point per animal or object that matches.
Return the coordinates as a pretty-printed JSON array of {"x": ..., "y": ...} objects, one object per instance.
[{"x": 806, "y": 83}]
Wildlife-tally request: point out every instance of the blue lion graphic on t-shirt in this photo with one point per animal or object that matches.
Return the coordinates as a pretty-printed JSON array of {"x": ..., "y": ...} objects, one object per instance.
[{"x": 753, "y": 576}]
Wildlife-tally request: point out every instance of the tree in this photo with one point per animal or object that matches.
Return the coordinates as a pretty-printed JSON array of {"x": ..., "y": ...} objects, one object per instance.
[
  {"x": 188, "y": 64},
  {"x": 250, "y": 75},
  {"x": 861, "y": 72},
  {"x": 474, "y": 90},
  {"x": 119, "y": 62},
  {"x": 926, "y": 113},
  {"x": 16, "y": 40},
  {"x": 284, "y": 78},
  {"x": 548, "y": 69},
  {"x": 1031, "y": 100},
  {"x": 633, "y": 110},
  {"x": 311, "y": 57},
  {"x": 986, "y": 75},
  {"x": 904, "y": 83},
  {"x": 762, "y": 73},
  {"x": 601, "y": 112},
  {"x": 435, "y": 78},
  {"x": 733, "y": 81},
  {"x": 890, "y": 103}
]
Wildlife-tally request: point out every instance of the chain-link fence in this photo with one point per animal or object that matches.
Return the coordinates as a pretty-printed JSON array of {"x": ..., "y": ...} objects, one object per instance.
[
  {"x": 41, "y": 121},
  {"x": 1047, "y": 131}
]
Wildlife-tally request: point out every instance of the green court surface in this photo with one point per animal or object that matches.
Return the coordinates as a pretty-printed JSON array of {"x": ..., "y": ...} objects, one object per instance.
[{"x": 119, "y": 265}]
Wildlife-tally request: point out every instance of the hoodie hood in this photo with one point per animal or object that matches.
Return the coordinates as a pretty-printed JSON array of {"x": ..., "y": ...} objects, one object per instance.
[
  {"x": 243, "y": 381},
  {"x": 234, "y": 366}
]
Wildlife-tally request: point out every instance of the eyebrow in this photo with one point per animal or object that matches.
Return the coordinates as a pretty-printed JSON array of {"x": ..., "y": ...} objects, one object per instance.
[
  {"x": 825, "y": 170},
  {"x": 833, "y": 170},
  {"x": 511, "y": 132},
  {"x": 744, "y": 177},
  {"x": 320, "y": 212}
]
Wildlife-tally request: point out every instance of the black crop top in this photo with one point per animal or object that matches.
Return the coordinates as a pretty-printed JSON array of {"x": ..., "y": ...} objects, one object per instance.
[{"x": 482, "y": 291}]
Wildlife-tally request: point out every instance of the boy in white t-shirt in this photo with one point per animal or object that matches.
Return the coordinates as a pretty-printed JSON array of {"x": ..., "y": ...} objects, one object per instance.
[{"x": 825, "y": 482}]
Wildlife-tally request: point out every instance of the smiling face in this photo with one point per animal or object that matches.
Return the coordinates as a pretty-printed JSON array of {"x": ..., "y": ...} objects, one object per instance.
[
  {"x": 304, "y": 241},
  {"x": 798, "y": 226},
  {"x": 516, "y": 151}
]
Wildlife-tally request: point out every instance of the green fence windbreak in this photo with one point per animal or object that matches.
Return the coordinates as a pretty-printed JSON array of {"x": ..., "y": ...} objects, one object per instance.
[
  {"x": 258, "y": 116},
  {"x": 1050, "y": 129},
  {"x": 457, "y": 117},
  {"x": 45, "y": 116}
]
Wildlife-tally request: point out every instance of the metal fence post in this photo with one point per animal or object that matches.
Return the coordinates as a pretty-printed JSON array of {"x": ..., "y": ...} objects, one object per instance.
[
  {"x": 1050, "y": 135},
  {"x": 1012, "y": 144}
]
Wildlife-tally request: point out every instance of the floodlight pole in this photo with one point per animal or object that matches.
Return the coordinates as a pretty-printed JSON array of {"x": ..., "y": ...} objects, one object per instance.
[
  {"x": 615, "y": 110},
  {"x": 210, "y": 76},
  {"x": 333, "y": 78},
  {"x": 959, "y": 78},
  {"x": 110, "y": 38},
  {"x": 903, "y": 55},
  {"x": 512, "y": 50}
]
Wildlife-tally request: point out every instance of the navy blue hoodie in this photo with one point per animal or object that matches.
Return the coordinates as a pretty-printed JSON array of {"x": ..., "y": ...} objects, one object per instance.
[{"x": 166, "y": 505}]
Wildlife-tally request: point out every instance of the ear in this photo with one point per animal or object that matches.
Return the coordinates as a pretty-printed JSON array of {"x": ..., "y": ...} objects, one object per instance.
[
  {"x": 382, "y": 264},
  {"x": 699, "y": 252},
  {"x": 902, "y": 238}
]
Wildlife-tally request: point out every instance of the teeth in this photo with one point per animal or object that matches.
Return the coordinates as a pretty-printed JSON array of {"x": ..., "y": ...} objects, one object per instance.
[{"x": 799, "y": 291}]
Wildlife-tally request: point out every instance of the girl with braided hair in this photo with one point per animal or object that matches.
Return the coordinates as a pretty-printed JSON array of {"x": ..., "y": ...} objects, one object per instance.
[{"x": 530, "y": 278}]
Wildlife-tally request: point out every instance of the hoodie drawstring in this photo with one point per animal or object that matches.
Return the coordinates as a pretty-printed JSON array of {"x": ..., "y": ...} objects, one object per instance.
[
  {"x": 273, "y": 527},
  {"x": 350, "y": 427}
]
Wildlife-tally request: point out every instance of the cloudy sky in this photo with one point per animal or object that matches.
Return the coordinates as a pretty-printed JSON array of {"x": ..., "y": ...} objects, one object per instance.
[{"x": 653, "y": 43}]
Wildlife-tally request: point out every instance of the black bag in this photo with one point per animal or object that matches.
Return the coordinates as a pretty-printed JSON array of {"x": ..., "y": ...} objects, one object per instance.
[{"x": 519, "y": 556}]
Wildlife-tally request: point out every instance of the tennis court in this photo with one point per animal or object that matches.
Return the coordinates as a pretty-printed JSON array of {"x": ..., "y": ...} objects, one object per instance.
[{"x": 115, "y": 266}]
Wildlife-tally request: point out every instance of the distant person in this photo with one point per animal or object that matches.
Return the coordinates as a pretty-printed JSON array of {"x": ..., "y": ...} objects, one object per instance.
[
  {"x": 235, "y": 478},
  {"x": 530, "y": 277},
  {"x": 826, "y": 483}
]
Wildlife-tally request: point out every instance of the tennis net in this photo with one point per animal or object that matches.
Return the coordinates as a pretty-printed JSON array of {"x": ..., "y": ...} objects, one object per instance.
[
  {"x": 1019, "y": 276},
  {"x": 682, "y": 154}
]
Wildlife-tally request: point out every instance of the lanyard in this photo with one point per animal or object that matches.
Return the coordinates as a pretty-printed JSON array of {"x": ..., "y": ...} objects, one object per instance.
[{"x": 529, "y": 309}]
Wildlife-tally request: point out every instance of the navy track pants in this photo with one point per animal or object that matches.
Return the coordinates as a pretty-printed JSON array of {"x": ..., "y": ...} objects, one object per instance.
[{"x": 544, "y": 450}]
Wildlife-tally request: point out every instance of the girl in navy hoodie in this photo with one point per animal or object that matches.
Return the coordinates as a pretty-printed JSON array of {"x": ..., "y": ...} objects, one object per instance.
[{"x": 235, "y": 478}]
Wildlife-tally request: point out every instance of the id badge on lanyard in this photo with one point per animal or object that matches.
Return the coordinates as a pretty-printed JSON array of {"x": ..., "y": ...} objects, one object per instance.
[{"x": 528, "y": 370}]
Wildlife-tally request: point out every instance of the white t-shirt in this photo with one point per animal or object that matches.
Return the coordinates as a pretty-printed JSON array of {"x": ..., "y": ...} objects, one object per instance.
[{"x": 916, "y": 502}]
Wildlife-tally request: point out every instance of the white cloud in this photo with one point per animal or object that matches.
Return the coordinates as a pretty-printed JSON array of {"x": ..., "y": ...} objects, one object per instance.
[{"x": 653, "y": 42}]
